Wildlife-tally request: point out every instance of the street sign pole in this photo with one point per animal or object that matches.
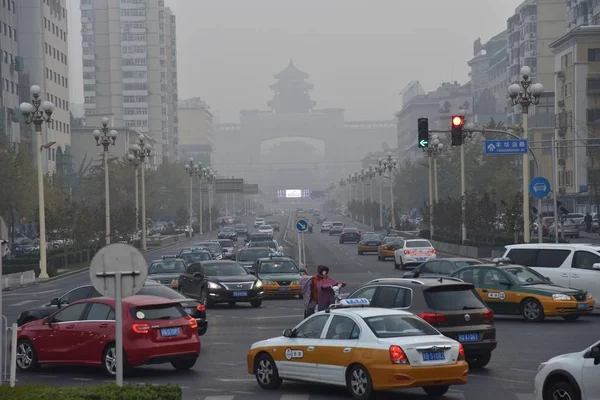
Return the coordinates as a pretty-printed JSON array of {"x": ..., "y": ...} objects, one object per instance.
[
  {"x": 539, "y": 187},
  {"x": 119, "y": 327}
]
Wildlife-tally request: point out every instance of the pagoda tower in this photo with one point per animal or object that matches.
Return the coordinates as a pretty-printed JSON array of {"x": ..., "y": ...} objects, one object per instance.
[{"x": 291, "y": 92}]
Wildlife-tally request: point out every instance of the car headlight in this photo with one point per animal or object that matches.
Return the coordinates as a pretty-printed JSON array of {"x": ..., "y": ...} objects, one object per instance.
[
  {"x": 174, "y": 283},
  {"x": 541, "y": 366},
  {"x": 258, "y": 284},
  {"x": 212, "y": 285},
  {"x": 219, "y": 257},
  {"x": 589, "y": 296},
  {"x": 295, "y": 282},
  {"x": 561, "y": 297},
  {"x": 269, "y": 282}
]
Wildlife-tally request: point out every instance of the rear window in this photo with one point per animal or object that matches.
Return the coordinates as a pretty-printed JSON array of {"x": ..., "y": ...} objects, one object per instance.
[
  {"x": 225, "y": 243},
  {"x": 452, "y": 298},
  {"x": 392, "y": 326},
  {"x": 526, "y": 257},
  {"x": 161, "y": 291},
  {"x": 338, "y": 224},
  {"x": 158, "y": 312},
  {"x": 191, "y": 258},
  {"x": 418, "y": 243},
  {"x": 371, "y": 238},
  {"x": 245, "y": 255}
]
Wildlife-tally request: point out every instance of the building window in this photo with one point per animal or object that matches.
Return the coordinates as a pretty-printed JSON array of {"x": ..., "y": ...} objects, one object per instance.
[
  {"x": 90, "y": 100},
  {"x": 593, "y": 116},
  {"x": 89, "y": 88},
  {"x": 594, "y": 54}
]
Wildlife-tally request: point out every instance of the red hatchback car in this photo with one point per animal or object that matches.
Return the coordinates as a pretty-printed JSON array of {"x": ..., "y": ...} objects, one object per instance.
[{"x": 155, "y": 331}]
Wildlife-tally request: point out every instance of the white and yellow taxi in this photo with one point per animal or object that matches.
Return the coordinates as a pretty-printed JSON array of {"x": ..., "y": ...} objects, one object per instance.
[{"x": 364, "y": 349}]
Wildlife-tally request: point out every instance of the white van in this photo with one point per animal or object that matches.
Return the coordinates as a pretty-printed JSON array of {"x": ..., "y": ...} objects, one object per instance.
[{"x": 572, "y": 265}]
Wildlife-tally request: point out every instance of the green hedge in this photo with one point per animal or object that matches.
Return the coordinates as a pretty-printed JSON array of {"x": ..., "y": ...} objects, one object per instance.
[
  {"x": 98, "y": 392},
  {"x": 55, "y": 260}
]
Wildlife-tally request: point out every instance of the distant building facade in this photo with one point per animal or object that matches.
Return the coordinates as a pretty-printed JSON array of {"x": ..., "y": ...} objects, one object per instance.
[
  {"x": 294, "y": 145},
  {"x": 11, "y": 68},
  {"x": 195, "y": 130}
]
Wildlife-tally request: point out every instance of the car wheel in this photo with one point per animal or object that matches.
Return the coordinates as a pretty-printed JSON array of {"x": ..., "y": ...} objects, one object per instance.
[
  {"x": 184, "y": 365},
  {"x": 436, "y": 391},
  {"x": 359, "y": 382},
  {"x": 402, "y": 266},
  {"x": 396, "y": 265},
  {"x": 109, "y": 360},
  {"x": 26, "y": 356},
  {"x": 561, "y": 390},
  {"x": 571, "y": 317},
  {"x": 532, "y": 310},
  {"x": 480, "y": 361},
  {"x": 255, "y": 303},
  {"x": 265, "y": 370},
  {"x": 360, "y": 253}
]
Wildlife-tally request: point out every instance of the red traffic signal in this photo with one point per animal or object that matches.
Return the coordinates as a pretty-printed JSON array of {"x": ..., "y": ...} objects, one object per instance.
[{"x": 458, "y": 121}]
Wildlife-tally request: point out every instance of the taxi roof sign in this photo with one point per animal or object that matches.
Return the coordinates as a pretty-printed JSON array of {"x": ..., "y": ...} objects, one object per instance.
[
  {"x": 276, "y": 254},
  {"x": 349, "y": 303},
  {"x": 166, "y": 256}
]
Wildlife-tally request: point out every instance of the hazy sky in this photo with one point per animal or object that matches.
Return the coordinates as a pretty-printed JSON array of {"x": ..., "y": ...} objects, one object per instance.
[{"x": 360, "y": 54}]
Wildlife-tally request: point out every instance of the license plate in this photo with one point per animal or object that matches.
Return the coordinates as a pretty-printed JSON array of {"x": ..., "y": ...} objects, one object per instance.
[
  {"x": 284, "y": 289},
  {"x": 468, "y": 337},
  {"x": 167, "y": 332},
  {"x": 240, "y": 294},
  {"x": 582, "y": 306},
  {"x": 421, "y": 258},
  {"x": 190, "y": 311},
  {"x": 434, "y": 356},
  {"x": 371, "y": 244}
]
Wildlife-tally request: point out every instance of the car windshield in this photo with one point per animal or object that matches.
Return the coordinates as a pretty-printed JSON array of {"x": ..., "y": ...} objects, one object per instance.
[
  {"x": 240, "y": 226},
  {"x": 225, "y": 243},
  {"x": 191, "y": 258},
  {"x": 167, "y": 267},
  {"x": 161, "y": 291},
  {"x": 522, "y": 276},
  {"x": 251, "y": 255},
  {"x": 392, "y": 326},
  {"x": 417, "y": 243},
  {"x": 338, "y": 224},
  {"x": 349, "y": 230},
  {"x": 270, "y": 244},
  {"x": 227, "y": 229},
  {"x": 371, "y": 238},
  {"x": 230, "y": 269},
  {"x": 390, "y": 240},
  {"x": 212, "y": 247},
  {"x": 278, "y": 267}
]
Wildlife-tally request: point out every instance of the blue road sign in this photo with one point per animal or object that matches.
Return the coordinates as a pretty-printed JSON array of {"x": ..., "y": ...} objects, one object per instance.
[
  {"x": 301, "y": 225},
  {"x": 539, "y": 187},
  {"x": 512, "y": 146}
]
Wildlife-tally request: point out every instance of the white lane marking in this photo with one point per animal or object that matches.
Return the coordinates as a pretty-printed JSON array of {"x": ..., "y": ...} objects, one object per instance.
[
  {"x": 46, "y": 376},
  {"x": 218, "y": 398},
  {"x": 220, "y": 343},
  {"x": 500, "y": 379},
  {"x": 524, "y": 370},
  {"x": 241, "y": 392},
  {"x": 82, "y": 379},
  {"x": 208, "y": 390},
  {"x": 235, "y": 380},
  {"x": 224, "y": 363},
  {"x": 295, "y": 397},
  {"x": 22, "y": 303},
  {"x": 276, "y": 317}
]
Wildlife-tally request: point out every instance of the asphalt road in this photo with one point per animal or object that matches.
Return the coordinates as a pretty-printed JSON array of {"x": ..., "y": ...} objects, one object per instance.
[{"x": 220, "y": 373}]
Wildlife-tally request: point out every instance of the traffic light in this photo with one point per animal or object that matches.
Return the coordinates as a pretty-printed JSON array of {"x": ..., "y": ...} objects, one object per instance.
[
  {"x": 423, "y": 127},
  {"x": 458, "y": 122}
]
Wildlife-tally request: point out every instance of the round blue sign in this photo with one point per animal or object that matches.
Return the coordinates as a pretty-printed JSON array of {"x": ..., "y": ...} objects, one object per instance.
[
  {"x": 301, "y": 225},
  {"x": 539, "y": 187}
]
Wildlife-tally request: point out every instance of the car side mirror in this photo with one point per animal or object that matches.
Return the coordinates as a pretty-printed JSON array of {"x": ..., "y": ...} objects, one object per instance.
[
  {"x": 55, "y": 302},
  {"x": 548, "y": 279},
  {"x": 47, "y": 321},
  {"x": 594, "y": 353},
  {"x": 198, "y": 275},
  {"x": 289, "y": 333},
  {"x": 596, "y": 266}
]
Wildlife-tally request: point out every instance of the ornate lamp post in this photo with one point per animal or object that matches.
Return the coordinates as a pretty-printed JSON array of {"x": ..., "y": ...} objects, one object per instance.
[
  {"x": 525, "y": 94},
  {"x": 191, "y": 169},
  {"x": 370, "y": 172},
  {"x": 135, "y": 162},
  {"x": 434, "y": 149},
  {"x": 380, "y": 169},
  {"x": 37, "y": 112},
  {"x": 140, "y": 151},
  {"x": 105, "y": 137},
  {"x": 210, "y": 177},
  {"x": 390, "y": 164},
  {"x": 202, "y": 174}
]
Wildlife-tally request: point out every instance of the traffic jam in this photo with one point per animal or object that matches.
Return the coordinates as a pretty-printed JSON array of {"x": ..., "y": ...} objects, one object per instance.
[{"x": 427, "y": 325}]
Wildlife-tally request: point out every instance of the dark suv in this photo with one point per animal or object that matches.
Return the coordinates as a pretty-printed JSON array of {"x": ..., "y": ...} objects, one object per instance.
[{"x": 449, "y": 304}]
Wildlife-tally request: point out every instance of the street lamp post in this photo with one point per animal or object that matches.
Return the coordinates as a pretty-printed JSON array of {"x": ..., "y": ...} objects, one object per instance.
[
  {"x": 105, "y": 137},
  {"x": 379, "y": 168},
  {"x": 202, "y": 174},
  {"x": 390, "y": 164},
  {"x": 190, "y": 169},
  {"x": 210, "y": 177},
  {"x": 140, "y": 151},
  {"x": 362, "y": 175},
  {"x": 434, "y": 149},
  {"x": 371, "y": 174},
  {"x": 525, "y": 94},
  {"x": 37, "y": 112},
  {"x": 135, "y": 162}
]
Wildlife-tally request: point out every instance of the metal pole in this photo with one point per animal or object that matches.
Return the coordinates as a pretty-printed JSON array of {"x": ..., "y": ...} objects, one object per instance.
[
  {"x": 233, "y": 204},
  {"x": 119, "y": 328},
  {"x": 299, "y": 249},
  {"x": 13, "y": 354},
  {"x": 144, "y": 229},
  {"x": 137, "y": 200},
  {"x": 462, "y": 194},
  {"x": 2, "y": 331},
  {"x": 201, "y": 210},
  {"x": 555, "y": 188},
  {"x": 540, "y": 233},
  {"x": 435, "y": 180},
  {"x": 371, "y": 201},
  {"x": 381, "y": 203},
  {"x": 392, "y": 201},
  {"x": 226, "y": 205},
  {"x": 210, "y": 207},
  {"x": 362, "y": 199},
  {"x": 191, "y": 199},
  {"x": 107, "y": 194},
  {"x": 526, "y": 222},
  {"x": 430, "y": 197},
  {"x": 41, "y": 203}
]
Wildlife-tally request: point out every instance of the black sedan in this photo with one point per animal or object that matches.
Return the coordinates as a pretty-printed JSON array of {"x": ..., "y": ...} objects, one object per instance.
[
  {"x": 352, "y": 235},
  {"x": 227, "y": 232},
  {"x": 241, "y": 229},
  {"x": 440, "y": 267},
  {"x": 194, "y": 308},
  {"x": 213, "y": 282}
]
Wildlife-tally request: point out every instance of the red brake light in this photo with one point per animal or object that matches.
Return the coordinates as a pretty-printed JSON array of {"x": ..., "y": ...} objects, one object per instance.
[
  {"x": 433, "y": 251},
  {"x": 461, "y": 352},
  {"x": 397, "y": 355},
  {"x": 201, "y": 307},
  {"x": 193, "y": 322},
  {"x": 433, "y": 318},
  {"x": 141, "y": 328},
  {"x": 406, "y": 251},
  {"x": 488, "y": 316}
]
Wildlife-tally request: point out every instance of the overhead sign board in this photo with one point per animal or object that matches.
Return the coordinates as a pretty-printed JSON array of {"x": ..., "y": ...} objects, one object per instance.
[
  {"x": 512, "y": 146},
  {"x": 250, "y": 188},
  {"x": 229, "y": 185}
]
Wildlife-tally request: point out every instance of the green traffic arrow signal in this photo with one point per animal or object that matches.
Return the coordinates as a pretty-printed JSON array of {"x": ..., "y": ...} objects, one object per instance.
[{"x": 423, "y": 143}]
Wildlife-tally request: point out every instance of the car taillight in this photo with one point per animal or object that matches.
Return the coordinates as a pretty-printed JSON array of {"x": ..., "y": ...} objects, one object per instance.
[
  {"x": 193, "y": 322},
  {"x": 201, "y": 307},
  {"x": 397, "y": 355},
  {"x": 406, "y": 251},
  {"x": 433, "y": 251},
  {"x": 461, "y": 352},
  {"x": 141, "y": 328},
  {"x": 433, "y": 318},
  {"x": 488, "y": 316}
]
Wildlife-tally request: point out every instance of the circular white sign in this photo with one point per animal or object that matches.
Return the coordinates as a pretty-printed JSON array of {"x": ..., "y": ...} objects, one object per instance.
[
  {"x": 122, "y": 258},
  {"x": 288, "y": 353}
]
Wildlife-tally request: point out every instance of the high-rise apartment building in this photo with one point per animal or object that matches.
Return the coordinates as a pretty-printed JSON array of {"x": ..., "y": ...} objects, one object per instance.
[
  {"x": 11, "y": 66},
  {"x": 42, "y": 35},
  {"x": 123, "y": 62},
  {"x": 196, "y": 130},
  {"x": 582, "y": 13}
]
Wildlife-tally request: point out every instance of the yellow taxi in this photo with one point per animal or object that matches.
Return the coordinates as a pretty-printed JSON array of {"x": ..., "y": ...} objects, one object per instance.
[
  {"x": 363, "y": 349},
  {"x": 388, "y": 247},
  {"x": 369, "y": 243},
  {"x": 280, "y": 275},
  {"x": 516, "y": 290}
]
